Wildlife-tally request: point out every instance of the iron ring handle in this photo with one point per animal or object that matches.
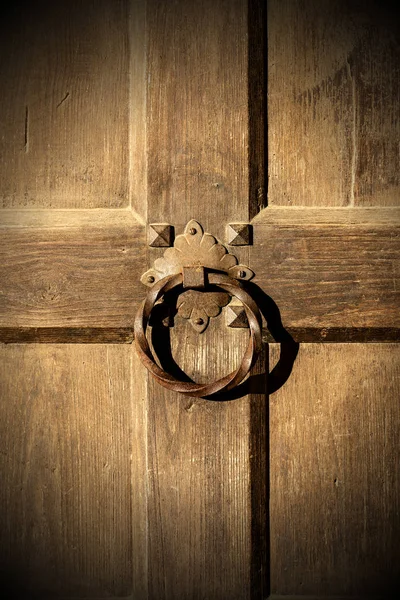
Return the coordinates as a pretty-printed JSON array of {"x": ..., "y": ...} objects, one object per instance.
[{"x": 233, "y": 287}]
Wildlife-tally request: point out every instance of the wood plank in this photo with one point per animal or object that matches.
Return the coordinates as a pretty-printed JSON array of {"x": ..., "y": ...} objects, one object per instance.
[
  {"x": 302, "y": 597},
  {"x": 206, "y": 486},
  {"x": 67, "y": 218},
  {"x": 330, "y": 269},
  {"x": 139, "y": 469},
  {"x": 335, "y": 482},
  {"x": 333, "y": 111},
  {"x": 335, "y": 334},
  {"x": 205, "y": 526},
  {"x": 64, "y": 104},
  {"x": 70, "y": 269},
  {"x": 197, "y": 106},
  {"x": 65, "y": 445},
  {"x": 375, "y": 69},
  {"x": 53, "y": 291},
  {"x": 137, "y": 106},
  {"x": 310, "y": 103},
  {"x": 66, "y": 335}
]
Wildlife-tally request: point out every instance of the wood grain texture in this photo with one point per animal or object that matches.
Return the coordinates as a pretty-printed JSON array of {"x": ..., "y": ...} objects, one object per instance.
[
  {"x": 375, "y": 69},
  {"x": 333, "y": 110},
  {"x": 137, "y": 107},
  {"x": 335, "y": 485},
  {"x": 257, "y": 105},
  {"x": 71, "y": 269},
  {"x": 205, "y": 517},
  {"x": 64, "y": 104},
  {"x": 65, "y": 445},
  {"x": 328, "y": 268},
  {"x": 335, "y": 334},
  {"x": 139, "y": 470},
  {"x": 66, "y": 335},
  {"x": 310, "y": 110},
  {"x": 302, "y": 597},
  {"x": 205, "y": 523},
  {"x": 197, "y": 107}
]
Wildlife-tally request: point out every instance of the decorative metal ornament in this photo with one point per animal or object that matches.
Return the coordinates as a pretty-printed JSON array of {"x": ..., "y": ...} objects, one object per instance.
[
  {"x": 239, "y": 234},
  {"x": 209, "y": 276},
  {"x": 192, "y": 249},
  {"x": 160, "y": 235}
]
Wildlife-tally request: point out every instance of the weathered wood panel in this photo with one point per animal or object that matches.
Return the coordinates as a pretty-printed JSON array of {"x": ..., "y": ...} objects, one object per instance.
[
  {"x": 74, "y": 275},
  {"x": 330, "y": 268},
  {"x": 138, "y": 106},
  {"x": 64, "y": 77},
  {"x": 375, "y": 69},
  {"x": 333, "y": 103},
  {"x": 207, "y": 497},
  {"x": 335, "y": 482},
  {"x": 139, "y": 469},
  {"x": 65, "y": 446},
  {"x": 310, "y": 110},
  {"x": 197, "y": 107},
  {"x": 205, "y": 532},
  {"x": 70, "y": 269}
]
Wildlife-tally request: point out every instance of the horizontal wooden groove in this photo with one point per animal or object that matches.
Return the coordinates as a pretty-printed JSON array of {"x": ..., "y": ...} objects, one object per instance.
[
  {"x": 125, "y": 335},
  {"x": 98, "y": 598},
  {"x": 339, "y": 334},
  {"x": 323, "y": 597},
  {"x": 66, "y": 335}
]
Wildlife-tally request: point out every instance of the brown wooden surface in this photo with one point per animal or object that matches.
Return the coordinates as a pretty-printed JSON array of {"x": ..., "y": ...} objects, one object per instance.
[
  {"x": 335, "y": 486},
  {"x": 333, "y": 108},
  {"x": 171, "y": 126},
  {"x": 138, "y": 383},
  {"x": 64, "y": 104},
  {"x": 330, "y": 268},
  {"x": 137, "y": 105},
  {"x": 65, "y": 496},
  {"x": 202, "y": 539},
  {"x": 197, "y": 129},
  {"x": 70, "y": 269},
  {"x": 206, "y": 517},
  {"x": 69, "y": 272}
]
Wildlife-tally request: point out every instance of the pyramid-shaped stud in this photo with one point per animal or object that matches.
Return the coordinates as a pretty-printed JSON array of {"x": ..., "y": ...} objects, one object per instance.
[
  {"x": 239, "y": 234},
  {"x": 236, "y": 316},
  {"x": 160, "y": 235}
]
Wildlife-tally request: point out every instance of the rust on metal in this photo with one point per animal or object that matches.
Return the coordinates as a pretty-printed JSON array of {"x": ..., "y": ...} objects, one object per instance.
[
  {"x": 194, "y": 278},
  {"x": 234, "y": 288},
  {"x": 209, "y": 276},
  {"x": 160, "y": 235},
  {"x": 195, "y": 249}
]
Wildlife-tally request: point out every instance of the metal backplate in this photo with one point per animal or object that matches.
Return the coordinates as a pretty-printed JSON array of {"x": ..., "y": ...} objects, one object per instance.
[{"x": 193, "y": 254}]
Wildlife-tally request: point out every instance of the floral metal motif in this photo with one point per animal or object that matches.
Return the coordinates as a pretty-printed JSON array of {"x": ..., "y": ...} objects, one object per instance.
[{"x": 196, "y": 248}]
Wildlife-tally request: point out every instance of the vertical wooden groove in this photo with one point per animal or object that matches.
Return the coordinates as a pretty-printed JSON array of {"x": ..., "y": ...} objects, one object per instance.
[
  {"x": 259, "y": 409},
  {"x": 257, "y": 80},
  {"x": 259, "y": 478},
  {"x": 207, "y": 473}
]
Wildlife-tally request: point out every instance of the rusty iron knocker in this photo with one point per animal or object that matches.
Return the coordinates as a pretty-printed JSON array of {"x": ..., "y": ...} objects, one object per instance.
[{"x": 200, "y": 273}]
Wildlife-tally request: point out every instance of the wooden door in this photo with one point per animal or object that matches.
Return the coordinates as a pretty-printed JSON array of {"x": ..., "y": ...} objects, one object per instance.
[{"x": 120, "y": 114}]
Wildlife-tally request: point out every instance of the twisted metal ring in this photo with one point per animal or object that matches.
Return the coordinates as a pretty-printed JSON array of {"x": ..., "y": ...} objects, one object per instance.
[{"x": 233, "y": 287}]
